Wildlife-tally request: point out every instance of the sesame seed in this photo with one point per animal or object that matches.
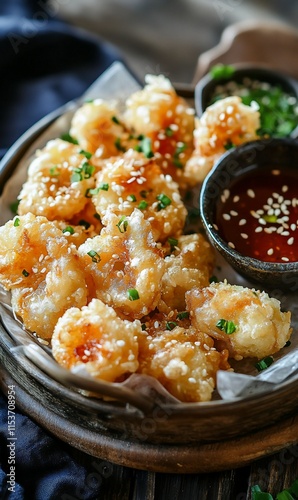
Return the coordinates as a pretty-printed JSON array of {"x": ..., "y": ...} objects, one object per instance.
[
  {"x": 290, "y": 241},
  {"x": 285, "y": 259},
  {"x": 233, "y": 213},
  {"x": 226, "y": 217},
  {"x": 244, "y": 236},
  {"x": 293, "y": 227},
  {"x": 192, "y": 380},
  {"x": 285, "y": 188},
  {"x": 285, "y": 233},
  {"x": 254, "y": 214},
  {"x": 242, "y": 222},
  {"x": 230, "y": 244},
  {"x": 236, "y": 198},
  {"x": 251, "y": 193},
  {"x": 215, "y": 227},
  {"x": 270, "y": 251},
  {"x": 262, "y": 221},
  {"x": 258, "y": 229}
]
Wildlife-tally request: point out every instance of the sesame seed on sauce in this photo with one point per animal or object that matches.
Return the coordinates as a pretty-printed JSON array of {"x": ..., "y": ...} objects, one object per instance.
[{"x": 265, "y": 203}]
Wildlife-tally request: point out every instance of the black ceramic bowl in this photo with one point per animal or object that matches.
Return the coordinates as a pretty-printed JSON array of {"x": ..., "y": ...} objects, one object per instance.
[
  {"x": 231, "y": 167},
  {"x": 205, "y": 89}
]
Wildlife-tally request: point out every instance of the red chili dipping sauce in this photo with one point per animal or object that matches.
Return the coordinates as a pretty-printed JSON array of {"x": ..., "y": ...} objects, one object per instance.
[{"x": 258, "y": 215}]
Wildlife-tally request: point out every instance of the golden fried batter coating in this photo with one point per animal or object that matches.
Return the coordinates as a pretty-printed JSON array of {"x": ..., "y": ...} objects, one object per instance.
[
  {"x": 166, "y": 119},
  {"x": 58, "y": 179},
  {"x": 124, "y": 264},
  {"x": 96, "y": 127},
  {"x": 247, "y": 322},
  {"x": 183, "y": 360},
  {"x": 189, "y": 265},
  {"x": 225, "y": 123},
  {"x": 42, "y": 270},
  {"x": 98, "y": 339},
  {"x": 133, "y": 181}
]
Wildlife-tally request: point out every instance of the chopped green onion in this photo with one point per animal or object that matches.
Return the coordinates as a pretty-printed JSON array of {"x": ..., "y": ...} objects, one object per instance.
[
  {"x": 76, "y": 177},
  {"x": 54, "y": 171},
  {"x": 142, "y": 205},
  {"x": 68, "y": 229},
  {"x": 222, "y": 71},
  {"x": 270, "y": 218},
  {"x": 14, "y": 206},
  {"x": 164, "y": 201},
  {"x": 145, "y": 147},
  {"x": 16, "y": 222},
  {"x": 143, "y": 326},
  {"x": 131, "y": 197},
  {"x": 104, "y": 186},
  {"x": 89, "y": 101},
  {"x": 122, "y": 224},
  {"x": 85, "y": 153},
  {"x": 133, "y": 294},
  {"x": 91, "y": 192},
  {"x": 83, "y": 172},
  {"x": 183, "y": 315},
  {"x": 84, "y": 223},
  {"x": 94, "y": 256},
  {"x": 119, "y": 146},
  {"x": 182, "y": 147},
  {"x": 170, "y": 325},
  {"x": 226, "y": 326},
  {"x": 213, "y": 279},
  {"x": 115, "y": 120},
  {"x": 177, "y": 163},
  {"x": 264, "y": 363},
  {"x": 229, "y": 145},
  {"x": 169, "y": 132},
  {"x": 25, "y": 273},
  {"x": 67, "y": 137},
  {"x": 173, "y": 242}
]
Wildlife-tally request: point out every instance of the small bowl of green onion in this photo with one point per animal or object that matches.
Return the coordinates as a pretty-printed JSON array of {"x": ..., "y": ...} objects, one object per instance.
[{"x": 275, "y": 94}]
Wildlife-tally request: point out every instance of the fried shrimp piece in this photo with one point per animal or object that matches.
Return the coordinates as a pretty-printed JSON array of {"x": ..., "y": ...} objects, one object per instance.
[
  {"x": 184, "y": 360},
  {"x": 133, "y": 181},
  {"x": 42, "y": 270},
  {"x": 97, "y": 128},
  {"x": 95, "y": 337},
  {"x": 159, "y": 114},
  {"x": 224, "y": 124},
  {"x": 124, "y": 265},
  {"x": 247, "y": 322},
  {"x": 58, "y": 179},
  {"x": 189, "y": 265},
  {"x": 76, "y": 234}
]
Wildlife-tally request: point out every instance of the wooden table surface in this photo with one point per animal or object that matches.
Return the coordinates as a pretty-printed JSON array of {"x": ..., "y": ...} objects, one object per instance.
[{"x": 272, "y": 474}]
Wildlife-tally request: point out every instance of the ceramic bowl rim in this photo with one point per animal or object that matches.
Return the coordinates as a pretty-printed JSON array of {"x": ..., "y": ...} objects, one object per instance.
[{"x": 256, "y": 264}]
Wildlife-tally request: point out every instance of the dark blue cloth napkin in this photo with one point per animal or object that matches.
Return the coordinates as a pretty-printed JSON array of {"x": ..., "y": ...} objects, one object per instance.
[{"x": 43, "y": 64}]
